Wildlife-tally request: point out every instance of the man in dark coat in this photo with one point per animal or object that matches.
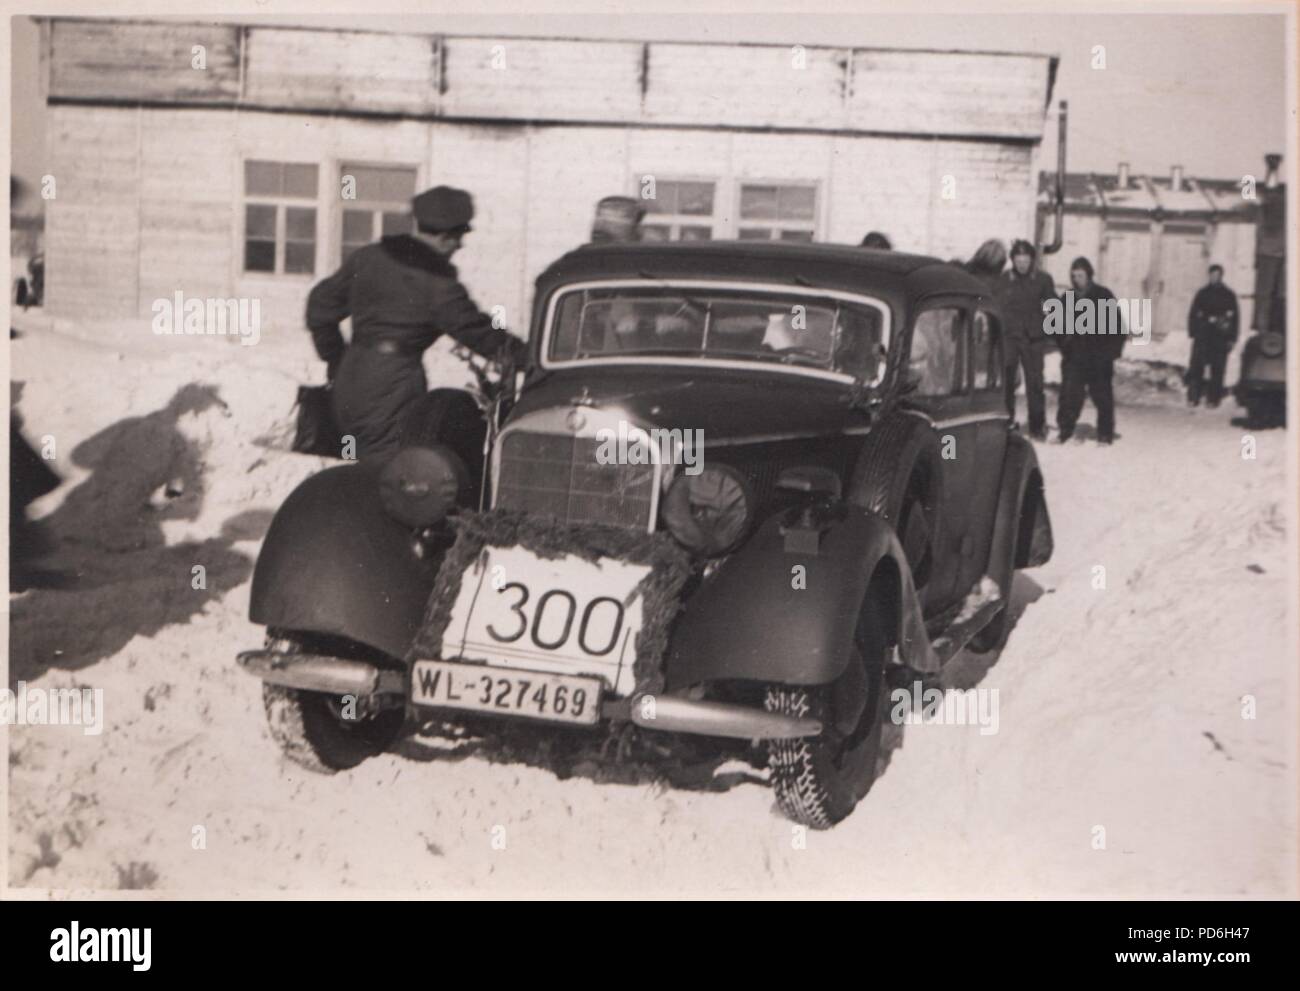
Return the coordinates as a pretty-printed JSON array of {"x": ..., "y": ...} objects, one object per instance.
[
  {"x": 1024, "y": 291},
  {"x": 402, "y": 294},
  {"x": 1212, "y": 323},
  {"x": 1088, "y": 359}
]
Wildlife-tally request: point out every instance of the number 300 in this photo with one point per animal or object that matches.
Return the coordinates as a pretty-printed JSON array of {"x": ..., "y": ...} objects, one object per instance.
[{"x": 533, "y": 628}]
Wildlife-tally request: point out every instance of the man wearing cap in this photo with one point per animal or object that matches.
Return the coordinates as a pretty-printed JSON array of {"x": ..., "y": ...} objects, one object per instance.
[
  {"x": 402, "y": 294},
  {"x": 618, "y": 219}
]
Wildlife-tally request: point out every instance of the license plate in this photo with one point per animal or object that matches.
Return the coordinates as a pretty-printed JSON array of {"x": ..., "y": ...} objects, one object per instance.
[
  {"x": 557, "y": 697},
  {"x": 564, "y": 615}
]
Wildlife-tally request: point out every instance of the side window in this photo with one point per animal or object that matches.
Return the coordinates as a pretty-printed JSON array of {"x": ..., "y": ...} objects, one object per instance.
[
  {"x": 937, "y": 362},
  {"x": 777, "y": 212},
  {"x": 280, "y": 217},
  {"x": 986, "y": 351},
  {"x": 382, "y": 204},
  {"x": 678, "y": 211}
]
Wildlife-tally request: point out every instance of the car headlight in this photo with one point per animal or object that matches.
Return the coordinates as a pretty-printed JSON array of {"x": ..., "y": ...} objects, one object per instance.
[
  {"x": 710, "y": 511},
  {"x": 420, "y": 485},
  {"x": 1271, "y": 345}
]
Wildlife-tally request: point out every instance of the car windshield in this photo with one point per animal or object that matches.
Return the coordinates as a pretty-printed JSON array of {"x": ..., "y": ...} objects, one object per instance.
[{"x": 801, "y": 329}]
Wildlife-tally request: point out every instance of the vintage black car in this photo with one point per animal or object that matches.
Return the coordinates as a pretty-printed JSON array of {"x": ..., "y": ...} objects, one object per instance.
[{"x": 741, "y": 486}]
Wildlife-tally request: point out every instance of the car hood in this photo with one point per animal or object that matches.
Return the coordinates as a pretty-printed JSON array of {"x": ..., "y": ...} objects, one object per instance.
[{"x": 731, "y": 405}]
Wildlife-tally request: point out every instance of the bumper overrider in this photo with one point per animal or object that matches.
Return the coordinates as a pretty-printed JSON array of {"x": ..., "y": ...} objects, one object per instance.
[{"x": 494, "y": 551}]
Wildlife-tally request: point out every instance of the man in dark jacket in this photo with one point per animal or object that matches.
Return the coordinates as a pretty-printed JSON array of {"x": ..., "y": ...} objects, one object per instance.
[
  {"x": 1024, "y": 291},
  {"x": 1212, "y": 323},
  {"x": 1088, "y": 359},
  {"x": 402, "y": 294}
]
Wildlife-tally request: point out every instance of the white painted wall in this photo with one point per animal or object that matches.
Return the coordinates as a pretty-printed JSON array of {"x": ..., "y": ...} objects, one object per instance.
[{"x": 166, "y": 225}]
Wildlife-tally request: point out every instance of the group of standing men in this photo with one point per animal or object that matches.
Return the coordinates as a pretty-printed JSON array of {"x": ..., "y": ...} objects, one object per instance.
[{"x": 1087, "y": 360}]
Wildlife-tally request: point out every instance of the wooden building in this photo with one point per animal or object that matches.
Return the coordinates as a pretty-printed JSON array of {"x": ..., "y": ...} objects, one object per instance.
[
  {"x": 235, "y": 160},
  {"x": 1154, "y": 237}
]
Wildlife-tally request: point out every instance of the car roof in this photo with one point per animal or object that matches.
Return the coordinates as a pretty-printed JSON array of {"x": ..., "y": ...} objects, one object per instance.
[{"x": 894, "y": 276}]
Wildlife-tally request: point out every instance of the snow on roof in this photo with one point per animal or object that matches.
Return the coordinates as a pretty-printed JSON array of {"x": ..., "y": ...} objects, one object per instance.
[{"x": 1093, "y": 190}]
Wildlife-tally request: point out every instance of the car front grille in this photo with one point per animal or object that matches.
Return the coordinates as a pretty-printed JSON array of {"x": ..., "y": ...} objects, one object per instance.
[{"x": 557, "y": 475}]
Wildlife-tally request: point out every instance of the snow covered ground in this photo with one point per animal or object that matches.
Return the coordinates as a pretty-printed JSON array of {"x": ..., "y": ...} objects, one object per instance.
[{"x": 1122, "y": 765}]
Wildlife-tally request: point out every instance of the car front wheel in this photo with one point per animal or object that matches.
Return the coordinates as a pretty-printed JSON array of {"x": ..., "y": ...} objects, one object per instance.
[
  {"x": 325, "y": 733},
  {"x": 820, "y": 780}
]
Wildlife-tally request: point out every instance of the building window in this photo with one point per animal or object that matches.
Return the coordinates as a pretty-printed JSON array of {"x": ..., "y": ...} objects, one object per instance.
[
  {"x": 680, "y": 211},
  {"x": 280, "y": 217},
  {"x": 382, "y": 205},
  {"x": 771, "y": 212}
]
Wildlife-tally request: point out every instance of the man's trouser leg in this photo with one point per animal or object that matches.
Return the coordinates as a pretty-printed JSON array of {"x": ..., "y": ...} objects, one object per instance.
[
  {"x": 1067, "y": 411},
  {"x": 1101, "y": 389},
  {"x": 1031, "y": 356},
  {"x": 1218, "y": 362},
  {"x": 1196, "y": 370},
  {"x": 1010, "y": 373}
]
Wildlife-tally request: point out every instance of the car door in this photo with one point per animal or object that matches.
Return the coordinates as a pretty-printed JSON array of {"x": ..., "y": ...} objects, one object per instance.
[
  {"x": 988, "y": 414},
  {"x": 938, "y": 367}
]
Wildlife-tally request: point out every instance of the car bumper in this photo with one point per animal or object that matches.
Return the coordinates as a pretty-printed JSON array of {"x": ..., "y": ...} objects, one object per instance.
[
  {"x": 1259, "y": 389},
  {"x": 666, "y": 714}
]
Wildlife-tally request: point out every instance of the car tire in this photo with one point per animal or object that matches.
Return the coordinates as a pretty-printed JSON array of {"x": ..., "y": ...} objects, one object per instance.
[
  {"x": 898, "y": 475},
  {"x": 310, "y": 730},
  {"x": 819, "y": 780}
]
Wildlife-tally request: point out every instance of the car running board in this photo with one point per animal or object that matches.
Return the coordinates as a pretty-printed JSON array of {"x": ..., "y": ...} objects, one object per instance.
[{"x": 981, "y": 604}]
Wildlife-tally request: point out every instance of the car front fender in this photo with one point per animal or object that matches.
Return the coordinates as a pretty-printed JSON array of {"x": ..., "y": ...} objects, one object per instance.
[
  {"x": 334, "y": 562},
  {"x": 759, "y": 618}
]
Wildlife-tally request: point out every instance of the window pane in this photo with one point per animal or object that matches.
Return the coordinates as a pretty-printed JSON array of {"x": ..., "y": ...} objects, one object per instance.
[
  {"x": 300, "y": 180},
  {"x": 358, "y": 226},
  {"x": 985, "y": 361},
  {"x": 398, "y": 223},
  {"x": 797, "y": 202},
  {"x": 259, "y": 256},
  {"x": 259, "y": 221},
  {"x": 381, "y": 184},
  {"x": 262, "y": 178},
  {"x": 805, "y": 236},
  {"x": 862, "y": 344},
  {"x": 664, "y": 199},
  {"x": 758, "y": 202},
  {"x": 935, "y": 358},
  {"x": 300, "y": 256},
  {"x": 695, "y": 198},
  {"x": 755, "y": 234},
  {"x": 758, "y": 326},
  {"x": 300, "y": 223},
  {"x": 690, "y": 233},
  {"x": 655, "y": 232}
]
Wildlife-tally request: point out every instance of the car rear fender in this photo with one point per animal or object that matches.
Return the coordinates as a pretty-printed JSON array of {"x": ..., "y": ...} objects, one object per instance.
[
  {"x": 334, "y": 562},
  {"x": 771, "y": 614},
  {"x": 1022, "y": 530}
]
